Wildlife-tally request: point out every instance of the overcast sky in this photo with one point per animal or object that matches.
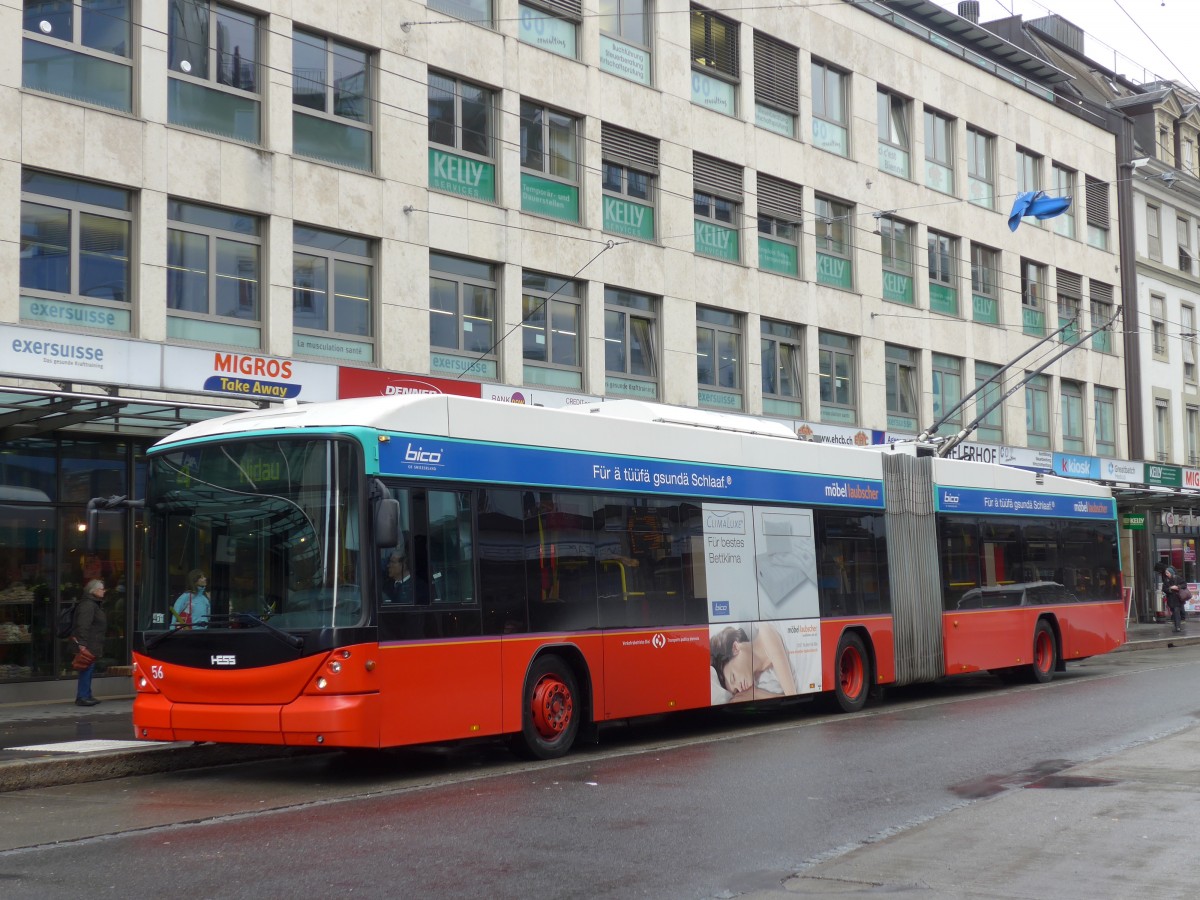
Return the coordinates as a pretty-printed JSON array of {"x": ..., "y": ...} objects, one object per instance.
[{"x": 1114, "y": 30}]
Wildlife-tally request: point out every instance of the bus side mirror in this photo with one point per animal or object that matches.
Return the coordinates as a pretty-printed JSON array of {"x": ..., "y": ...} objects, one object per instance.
[{"x": 387, "y": 522}]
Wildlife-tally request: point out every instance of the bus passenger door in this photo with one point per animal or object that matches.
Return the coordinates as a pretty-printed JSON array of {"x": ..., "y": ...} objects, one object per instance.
[{"x": 442, "y": 681}]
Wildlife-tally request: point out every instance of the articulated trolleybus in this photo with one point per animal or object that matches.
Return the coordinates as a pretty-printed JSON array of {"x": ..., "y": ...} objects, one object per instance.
[{"x": 393, "y": 571}]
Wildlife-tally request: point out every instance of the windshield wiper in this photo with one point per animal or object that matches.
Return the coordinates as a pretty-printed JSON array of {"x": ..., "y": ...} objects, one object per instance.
[{"x": 290, "y": 639}]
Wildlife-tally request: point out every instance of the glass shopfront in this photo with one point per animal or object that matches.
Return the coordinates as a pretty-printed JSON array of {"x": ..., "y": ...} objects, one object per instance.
[{"x": 45, "y": 555}]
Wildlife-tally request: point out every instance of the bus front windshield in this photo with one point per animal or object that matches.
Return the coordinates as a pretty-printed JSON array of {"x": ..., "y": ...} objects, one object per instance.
[{"x": 268, "y": 528}]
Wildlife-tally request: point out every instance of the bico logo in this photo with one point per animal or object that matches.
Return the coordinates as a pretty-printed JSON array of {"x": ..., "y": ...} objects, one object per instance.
[
  {"x": 659, "y": 641},
  {"x": 423, "y": 456}
]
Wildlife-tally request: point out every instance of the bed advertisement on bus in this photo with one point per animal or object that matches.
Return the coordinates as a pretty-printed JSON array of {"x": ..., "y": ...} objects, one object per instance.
[
  {"x": 447, "y": 459},
  {"x": 1017, "y": 503},
  {"x": 764, "y": 643}
]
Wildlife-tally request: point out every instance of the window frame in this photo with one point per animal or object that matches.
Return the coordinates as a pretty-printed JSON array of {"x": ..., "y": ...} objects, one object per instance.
[
  {"x": 1158, "y": 326},
  {"x": 902, "y": 387},
  {"x": 557, "y": 294},
  {"x": 985, "y": 283},
  {"x": 1104, "y": 404},
  {"x": 1029, "y": 171},
  {"x": 939, "y": 135},
  {"x": 213, "y": 234},
  {"x": 76, "y": 210},
  {"x": 781, "y": 348},
  {"x": 732, "y": 325},
  {"x": 636, "y": 160},
  {"x": 942, "y": 262},
  {"x": 458, "y": 126},
  {"x": 1154, "y": 232},
  {"x": 893, "y": 130},
  {"x": 991, "y": 427},
  {"x": 896, "y": 258},
  {"x": 210, "y": 80},
  {"x": 477, "y": 364},
  {"x": 455, "y": 8},
  {"x": 776, "y": 83},
  {"x": 333, "y": 49},
  {"x": 708, "y": 58},
  {"x": 1162, "y": 429},
  {"x": 981, "y": 168},
  {"x": 838, "y": 142},
  {"x": 1064, "y": 185},
  {"x": 1037, "y": 411},
  {"x": 1071, "y": 406},
  {"x": 75, "y": 46},
  {"x": 332, "y": 257},
  {"x": 1187, "y": 341},
  {"x": 833, "y": 347},
  {"x": 833, "y": 217},
  {"x": 1183, "y": 237},
  {"x": 624, "y": 303},
  {"x": 946, "y": 372},
  {"x": 1033, "y": 297},
  {"x": 1191, "y": 430}
]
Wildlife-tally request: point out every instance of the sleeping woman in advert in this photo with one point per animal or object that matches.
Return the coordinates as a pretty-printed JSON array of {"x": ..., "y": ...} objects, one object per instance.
[{"x": 751, "y": 668}]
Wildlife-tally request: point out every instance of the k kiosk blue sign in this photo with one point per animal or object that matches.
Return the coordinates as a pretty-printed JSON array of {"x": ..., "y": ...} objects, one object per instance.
[
  {"x": 1067, "y": 465},
  {"x": 453, "y": 460},
  {"x": 1016, "y": 503}
]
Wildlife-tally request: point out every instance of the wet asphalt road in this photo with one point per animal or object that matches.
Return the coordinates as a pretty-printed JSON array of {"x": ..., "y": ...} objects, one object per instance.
[{"x": 697, "y": 806}]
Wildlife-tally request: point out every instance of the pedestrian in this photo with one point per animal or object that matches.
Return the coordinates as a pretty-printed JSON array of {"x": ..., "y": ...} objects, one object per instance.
[
  {"x": 192, "y": 607},
  {"x": 88, "y": 633},
  {"x": 1175, "y": 594}
]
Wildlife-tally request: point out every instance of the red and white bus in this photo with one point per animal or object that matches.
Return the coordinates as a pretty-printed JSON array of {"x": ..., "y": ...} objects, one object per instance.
[{"x": 400, "y": 570}]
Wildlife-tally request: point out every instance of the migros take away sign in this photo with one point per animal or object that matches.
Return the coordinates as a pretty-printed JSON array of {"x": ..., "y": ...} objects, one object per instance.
[{"x": 249, "y": 375}]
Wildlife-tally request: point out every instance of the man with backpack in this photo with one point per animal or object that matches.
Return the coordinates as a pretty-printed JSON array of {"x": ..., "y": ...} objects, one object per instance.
[{"x": 1175, "y": 593}]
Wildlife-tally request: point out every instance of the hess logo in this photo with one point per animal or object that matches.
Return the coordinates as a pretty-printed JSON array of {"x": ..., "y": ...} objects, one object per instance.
[
  {"x": 421, "y": 455},
  {"x": 227, "y": 659}
]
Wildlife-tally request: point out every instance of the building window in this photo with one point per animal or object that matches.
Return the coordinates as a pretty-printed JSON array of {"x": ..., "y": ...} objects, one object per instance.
[
  {"x": 1153, "y": 232},
  {"x": 947, "y": 388},
  {"x": 212, "y": 52},
  {"x": 1064, "y": 186},
  {"x": 79, "y": 51},
  {"x": 1193, "y": 435},
  {"x": 331, "y": 101},
  {"x": 985, "y": 289},
  {"x": 478, "y": 12},
  {"x": 776, "y": 85},
  {"x": 897, "y": 252},
  {"x": 939, "y": 152},
  {"x": 1037, "y": 411},
  {"x": 894, "y": 132},
  {"x": 715, "y": 64},
  {"x": 780, "y": 212},
  {"x": 835, "y": 263},
  {"x": 782, "y": 369},
  {"x": 552, "y": 330},
  {"x": 76, "y": 239},
  {"x": 1187, "y": 156},
  {"x": 552, "y": 25},
  {"x": 1071, "y": 400},
  {"x": 462, "y": 317},
  {"x": 1033, "y": 298},
  {"x": 461, "y": 120},
  {"x": 831, "y": 117},
  {"x": 1070, "y": 302},
  {"x": 549, "y": 162},
  {"x": 981, "y": 177},
  {"x": 332, "y": 293},
  {"x": 630, "y": 344},
  {"x": 1102, "y": 314},
  {"x": 625, "y": 39},
  {"x": 943, "y": 273},
  {"x": 838, "y": 372},
  {"x": 1183, "y": 234},
  {"x": 1105, "y": 401},
  {"x": 214, "y": 275},
  {"x": 1097, "y": 212},
  {"x": 1162, "y": 430},
  {"x": 1158, "y": 325},
  {"x": 717, "y": 207},
  {"x": 900, "y": 379},
  {"x": 1187, "y": 341},
  {"x": 719, "y": 358},
  {"x": 991, "y": 426},
  {"x": 1029, "y": 171},
  {"x": 630, "y": 181}
]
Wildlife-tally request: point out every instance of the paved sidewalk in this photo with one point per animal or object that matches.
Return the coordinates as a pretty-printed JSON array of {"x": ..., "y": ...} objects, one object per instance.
[{"x": 43, "y": 744}]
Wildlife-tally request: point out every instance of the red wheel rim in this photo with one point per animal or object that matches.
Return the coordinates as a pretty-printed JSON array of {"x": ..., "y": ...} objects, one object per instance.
[
  {"x": 1043, "y": 651},
  {"x": 851, "y": 672},
  {"x": 552, "y": 707}
]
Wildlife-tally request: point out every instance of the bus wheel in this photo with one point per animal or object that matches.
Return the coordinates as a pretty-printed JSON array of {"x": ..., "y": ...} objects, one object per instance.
[
  {"x": 550, "y": 709},
  {"x": 852, "y": 672},
  {"x": 1045, "y": 653}
]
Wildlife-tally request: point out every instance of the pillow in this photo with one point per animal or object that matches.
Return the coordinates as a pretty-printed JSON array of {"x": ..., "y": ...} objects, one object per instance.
[{"x": 719, "y": 694}]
